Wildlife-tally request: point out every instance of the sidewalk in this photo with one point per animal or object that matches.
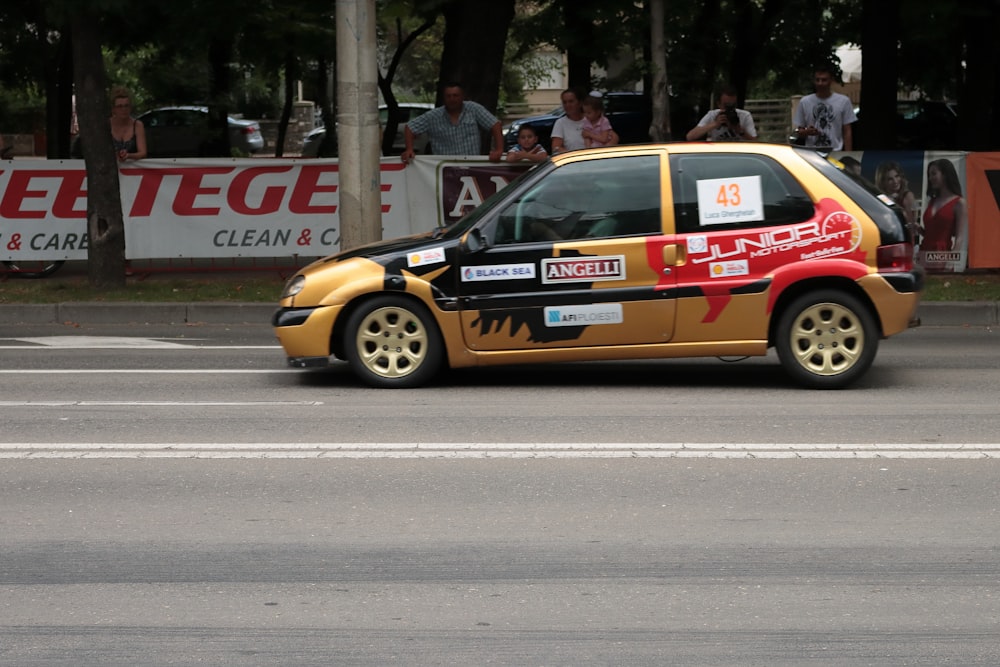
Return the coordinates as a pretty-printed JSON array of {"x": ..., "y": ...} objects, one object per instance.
[{"x": 931, "y": 313}]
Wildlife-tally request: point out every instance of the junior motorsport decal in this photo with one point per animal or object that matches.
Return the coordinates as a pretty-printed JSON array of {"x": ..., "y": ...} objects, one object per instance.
[
  {"x": 838, "y": 234},
  {"x": 575, "y": 316},
  {"x": 583, "y": 269},
  {"x": 498, "y": 272}
]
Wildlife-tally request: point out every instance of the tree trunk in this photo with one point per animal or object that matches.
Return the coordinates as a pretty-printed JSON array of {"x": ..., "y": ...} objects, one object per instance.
[
  {"x": 59, "y": 99},
  {"x": 105, "y": 227},
  {"x": 474, "y": 39},
  {"x": 220, "y": 54},
  {"x": 979, "y": 93},
  {"x": 660, "y": 128},
  {"x": 579, "y": 34},
  {"x": 291, "y": 75},
  {"x": 879, "y": 37}
]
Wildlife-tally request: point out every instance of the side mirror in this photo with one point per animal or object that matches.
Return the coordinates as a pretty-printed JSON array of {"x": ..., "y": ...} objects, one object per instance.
[{"x": 473, "y": 241}]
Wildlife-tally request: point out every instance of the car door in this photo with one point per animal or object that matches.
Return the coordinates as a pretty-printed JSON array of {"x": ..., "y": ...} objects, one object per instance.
[
  {"x": 574, "y": 259},
  {"x": 741, "y": 219}
]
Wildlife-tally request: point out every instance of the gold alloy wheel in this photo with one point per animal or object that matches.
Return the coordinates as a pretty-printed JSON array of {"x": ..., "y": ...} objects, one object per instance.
[
  {"x": 827, "y": 339},
  {"x": 392, "y": 342}
]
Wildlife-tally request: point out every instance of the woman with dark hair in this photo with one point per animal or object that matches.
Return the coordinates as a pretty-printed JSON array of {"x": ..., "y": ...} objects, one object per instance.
[{"x": 945, "y": 216}]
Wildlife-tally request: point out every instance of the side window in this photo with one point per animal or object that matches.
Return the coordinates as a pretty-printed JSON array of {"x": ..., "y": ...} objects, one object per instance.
[
  {"x": 599, "y": 198},
  {"x": 783, "y": 200}
]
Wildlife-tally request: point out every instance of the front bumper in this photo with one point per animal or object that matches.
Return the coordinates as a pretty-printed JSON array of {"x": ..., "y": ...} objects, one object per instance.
[{"x": 305, "y": 333}]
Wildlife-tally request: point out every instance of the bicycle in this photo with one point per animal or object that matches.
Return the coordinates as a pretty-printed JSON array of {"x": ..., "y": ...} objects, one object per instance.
[{"x": 30, "y": 268}]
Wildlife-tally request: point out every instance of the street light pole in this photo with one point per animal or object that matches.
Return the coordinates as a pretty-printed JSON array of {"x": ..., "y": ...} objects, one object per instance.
[{"x": 360, "y": 190}]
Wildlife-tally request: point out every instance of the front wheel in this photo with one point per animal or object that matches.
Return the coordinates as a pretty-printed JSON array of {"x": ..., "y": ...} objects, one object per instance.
[
  {"x": 393, "y": 342},
  {"x": 826, "y": 339}
]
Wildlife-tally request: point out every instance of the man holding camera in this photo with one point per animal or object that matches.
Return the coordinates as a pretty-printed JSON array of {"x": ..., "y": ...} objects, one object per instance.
[{"x": 727, "y": 123}]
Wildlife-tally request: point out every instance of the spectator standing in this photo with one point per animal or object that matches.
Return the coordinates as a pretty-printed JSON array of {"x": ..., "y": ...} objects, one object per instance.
[
  {"x": 127, "y": 133},
  {"x": 527, "y": 147},
  {"x": 823, "y": 119},
  {"x": 727, "y": 123},
  {"x": 596, "y": 130},
  {"x": 455, "y": 128}
]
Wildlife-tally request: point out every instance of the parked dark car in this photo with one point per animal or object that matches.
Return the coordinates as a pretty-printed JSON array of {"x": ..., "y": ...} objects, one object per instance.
[
  {"x": 922, "y": 125},
  {"x": 312, "y": 145},
  {"x": 630, "y": 114},
  {"x": 183, "y": 132}
]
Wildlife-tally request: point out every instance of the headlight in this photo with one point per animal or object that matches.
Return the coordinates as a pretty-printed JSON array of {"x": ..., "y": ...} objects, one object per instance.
[{"x": 294, "y": 286}]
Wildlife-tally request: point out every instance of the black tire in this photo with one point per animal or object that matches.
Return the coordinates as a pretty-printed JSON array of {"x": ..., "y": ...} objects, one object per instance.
[
  {"x": 826, "y": 339},
  {"x": 33, "y": 269},
  {"x": 393, "y": 342}
]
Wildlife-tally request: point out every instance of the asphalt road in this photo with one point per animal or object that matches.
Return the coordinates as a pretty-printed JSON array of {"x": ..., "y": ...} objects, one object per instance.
[
  {"x": 229, "y": 385},
  {"x": 158, "y": 508}
]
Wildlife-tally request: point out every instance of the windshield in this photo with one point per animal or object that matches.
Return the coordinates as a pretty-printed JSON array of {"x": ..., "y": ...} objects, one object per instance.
[{"x": 472, "y": 217}]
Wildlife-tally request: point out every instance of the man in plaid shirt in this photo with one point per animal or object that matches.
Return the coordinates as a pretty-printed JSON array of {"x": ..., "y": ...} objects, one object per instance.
[{"x": 455, "y": 128}]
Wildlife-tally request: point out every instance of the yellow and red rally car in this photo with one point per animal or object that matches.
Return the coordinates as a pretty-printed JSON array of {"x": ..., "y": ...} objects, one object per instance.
[{"x": 633, "y": 252}]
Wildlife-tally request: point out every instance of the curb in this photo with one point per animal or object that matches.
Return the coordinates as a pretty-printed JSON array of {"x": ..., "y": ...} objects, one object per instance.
[
  {"x": 138, "y": 313},
  {"x": 959, "y": 314},
  {"x": 931, "y": 313}
]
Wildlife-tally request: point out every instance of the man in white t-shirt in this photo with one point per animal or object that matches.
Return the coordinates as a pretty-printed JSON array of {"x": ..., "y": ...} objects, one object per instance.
[
  {"x": 824, "y": 118},
  {"x": 727, "y": 123}
]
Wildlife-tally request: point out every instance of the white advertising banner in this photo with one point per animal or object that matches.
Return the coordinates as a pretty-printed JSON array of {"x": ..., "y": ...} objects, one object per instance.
[{"x": 222, "y": 208}]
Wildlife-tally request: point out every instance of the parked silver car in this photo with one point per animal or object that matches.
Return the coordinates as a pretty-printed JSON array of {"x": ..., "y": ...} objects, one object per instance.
[
  {"x": 408, "y": 111},
  {"x": 183, "y": 132}
]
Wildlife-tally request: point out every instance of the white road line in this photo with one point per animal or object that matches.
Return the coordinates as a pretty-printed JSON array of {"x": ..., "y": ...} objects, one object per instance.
[
  {"x": 165, "y": 346},
  {"x": 140, "y": 371},
  {"x": 82, "y": 342},
  {"x": 463, "y": 450},
  {"x": 60, "y": 404}
]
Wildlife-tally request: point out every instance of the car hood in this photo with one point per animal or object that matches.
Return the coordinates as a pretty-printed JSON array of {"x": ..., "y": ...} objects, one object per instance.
[{"x": 389, "y": 251}]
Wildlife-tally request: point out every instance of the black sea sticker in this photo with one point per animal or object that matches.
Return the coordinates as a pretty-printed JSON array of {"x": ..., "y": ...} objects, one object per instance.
[{"x": 498, "y": 272}]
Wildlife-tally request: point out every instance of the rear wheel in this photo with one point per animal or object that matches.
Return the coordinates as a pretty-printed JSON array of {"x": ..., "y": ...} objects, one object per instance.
[
  {"x": 826, "y": 339},
  {"x": 393, "y": 342}
]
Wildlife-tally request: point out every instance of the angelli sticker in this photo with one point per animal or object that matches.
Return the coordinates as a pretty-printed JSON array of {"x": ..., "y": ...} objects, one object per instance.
[
  {"x": 472, "y": 274},
  {"x": 580, "y": 316},
  {"x": 583, "y": 269},
  {"x": 838, "y": 234},
  {"x": 736, "y": 267},
  {"x": 425, "y": 257}
]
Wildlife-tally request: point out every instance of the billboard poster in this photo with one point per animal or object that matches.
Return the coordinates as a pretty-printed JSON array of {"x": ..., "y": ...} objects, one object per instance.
[{"x": 930, "y": 187}]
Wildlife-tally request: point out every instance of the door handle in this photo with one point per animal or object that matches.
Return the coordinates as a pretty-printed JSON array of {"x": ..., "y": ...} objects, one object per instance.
[{"x": 674, "y": 254}]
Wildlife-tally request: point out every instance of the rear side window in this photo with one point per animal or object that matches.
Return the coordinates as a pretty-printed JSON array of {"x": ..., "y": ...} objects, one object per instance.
[{"x": 783, "y": 201}]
